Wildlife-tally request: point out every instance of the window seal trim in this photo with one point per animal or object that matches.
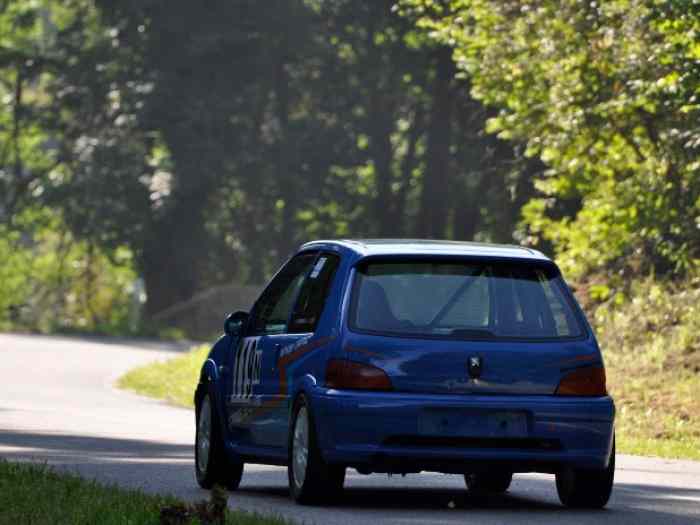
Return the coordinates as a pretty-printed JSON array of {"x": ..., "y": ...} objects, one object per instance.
[
  {"x": 586, "y": 330},
  {"x": 320, "y": 254},
  {"x": 254, "y": 333}
]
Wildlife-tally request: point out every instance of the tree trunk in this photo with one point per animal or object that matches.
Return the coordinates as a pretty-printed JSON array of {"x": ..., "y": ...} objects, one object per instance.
[
  {"x": 381, "y": 127},
  {"x": 432, "y": 217},
  {"x": 466, "y": 218},
  {"x": 408, "y": 165},
  {"x": 174, "y": 256},
  {"x": 472, "y": 176},
  {"x": 285, "y": 165}
]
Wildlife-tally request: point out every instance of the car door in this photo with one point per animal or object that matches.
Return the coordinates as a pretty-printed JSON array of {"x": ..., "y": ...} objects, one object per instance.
[
  {"x": 283, "y": 353},
  {"x": 269, "y": 319}
]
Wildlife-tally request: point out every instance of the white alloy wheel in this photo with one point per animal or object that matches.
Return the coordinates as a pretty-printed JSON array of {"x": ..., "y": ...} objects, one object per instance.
[
  {"x": 204, "y": 435},
  {"x": 300, "y": 444}
]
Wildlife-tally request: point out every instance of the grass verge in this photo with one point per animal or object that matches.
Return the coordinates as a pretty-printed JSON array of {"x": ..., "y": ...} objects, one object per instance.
[
  {"x": 651, "y": 345},
  {"x": 173, "y": 380},
  {"x": 37, "y": 495}
]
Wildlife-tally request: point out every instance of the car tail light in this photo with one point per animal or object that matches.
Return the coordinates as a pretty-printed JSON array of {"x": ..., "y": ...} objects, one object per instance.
[
  {"x": 352, "y": 375},
  {"x": 588, "y": 381}
]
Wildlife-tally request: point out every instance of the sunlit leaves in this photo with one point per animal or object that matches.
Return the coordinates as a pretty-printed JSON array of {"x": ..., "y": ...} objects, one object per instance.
[
  {"x": 606, "y": 93},
  {"x": 49, "y": 280}
]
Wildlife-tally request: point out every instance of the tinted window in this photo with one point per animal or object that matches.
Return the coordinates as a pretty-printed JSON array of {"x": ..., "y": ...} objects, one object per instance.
[
  {"x": 463, "y": 300},
  {"x": 272, "y": 310},
  {"x": 313, "y": 294}
]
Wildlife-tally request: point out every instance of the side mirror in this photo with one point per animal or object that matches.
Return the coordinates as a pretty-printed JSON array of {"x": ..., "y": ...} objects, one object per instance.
[{"x": 235, "y": 323}]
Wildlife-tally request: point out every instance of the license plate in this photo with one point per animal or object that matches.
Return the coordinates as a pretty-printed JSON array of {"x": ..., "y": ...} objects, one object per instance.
[{"x": 434, "y": 422}]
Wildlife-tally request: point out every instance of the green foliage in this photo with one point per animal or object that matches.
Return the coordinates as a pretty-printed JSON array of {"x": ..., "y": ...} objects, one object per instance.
[
  {"x": 27, "y": 155},
  {"x": 209, "y": 143},
  {"x": 651, "y": 344},
  {"x": 39, "y": 495},
  {"x": 173, "y": 380},
  {"x": 36, "y": 494},
  {"x": 50, "y": 281},
  {"x": 606, "y": 94}
]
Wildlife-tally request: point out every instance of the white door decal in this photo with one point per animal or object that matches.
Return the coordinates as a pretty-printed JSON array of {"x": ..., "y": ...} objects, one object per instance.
[{"x": 246, "y": 371}]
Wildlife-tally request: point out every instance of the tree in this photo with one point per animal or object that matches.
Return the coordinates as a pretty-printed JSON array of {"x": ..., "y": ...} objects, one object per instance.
[
  {"x": 27, "y": 152},
  {"x": 210, "y": 142},
  {"x": 604, "y": 93}
]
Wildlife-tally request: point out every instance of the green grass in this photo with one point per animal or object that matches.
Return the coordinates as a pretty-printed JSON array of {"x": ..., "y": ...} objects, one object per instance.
[
  {"x": 173, "y": 380},
  {"x": 37, "y": 495},
  {"x": 651, "y": 345}
]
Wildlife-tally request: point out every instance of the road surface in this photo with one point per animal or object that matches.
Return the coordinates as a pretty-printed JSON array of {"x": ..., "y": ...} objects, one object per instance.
[{"x": 58, "y": 404}]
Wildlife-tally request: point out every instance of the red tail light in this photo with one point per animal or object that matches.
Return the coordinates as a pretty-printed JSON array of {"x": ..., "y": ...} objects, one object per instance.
[
  {"x": 352, "y": 375},
  {"x": 588, "y": 381}
]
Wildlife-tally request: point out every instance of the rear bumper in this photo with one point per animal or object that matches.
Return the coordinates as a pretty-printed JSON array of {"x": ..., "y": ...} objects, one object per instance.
[{"x": 380, "y": 432}]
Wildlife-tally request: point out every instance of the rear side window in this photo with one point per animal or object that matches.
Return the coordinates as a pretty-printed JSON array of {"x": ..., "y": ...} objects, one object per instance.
[
  {"x": 313, "y": 294},
  {"x": 470, "y": 300},
  {"x": 275, "y": 304}
]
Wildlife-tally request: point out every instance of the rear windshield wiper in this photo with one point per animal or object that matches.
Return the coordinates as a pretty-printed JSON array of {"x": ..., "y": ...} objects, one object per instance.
[{"x": 456, "y": 296}]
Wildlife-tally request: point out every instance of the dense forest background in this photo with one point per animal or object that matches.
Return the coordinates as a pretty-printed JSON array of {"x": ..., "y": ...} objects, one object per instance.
[{"x": 151, "y": 149}]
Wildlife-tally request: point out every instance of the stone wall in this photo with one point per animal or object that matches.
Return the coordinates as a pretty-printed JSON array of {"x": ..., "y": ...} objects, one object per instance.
[{"x": 202, "y": 317}]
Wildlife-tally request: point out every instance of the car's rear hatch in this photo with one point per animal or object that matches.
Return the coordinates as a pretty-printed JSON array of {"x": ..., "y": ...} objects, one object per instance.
[
  {"x": 436, "y": 325},
  {"x": 439, "y": 366}
]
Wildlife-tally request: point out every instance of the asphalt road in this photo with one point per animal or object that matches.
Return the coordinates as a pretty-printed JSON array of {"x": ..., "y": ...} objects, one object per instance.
[{"x": 58, "y": 405}]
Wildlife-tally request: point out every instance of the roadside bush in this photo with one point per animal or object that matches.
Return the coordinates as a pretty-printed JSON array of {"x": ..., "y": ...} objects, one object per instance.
[
  {"x": 605, "y": 94},
  {"x": 650, "y": 337},
  {"x": 49, "y": 281}
]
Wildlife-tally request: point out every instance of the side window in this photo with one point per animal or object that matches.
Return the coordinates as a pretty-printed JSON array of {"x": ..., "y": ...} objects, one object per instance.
[
  {"x": 275, "y": 304},
  {"x": 313, "y": 295}
]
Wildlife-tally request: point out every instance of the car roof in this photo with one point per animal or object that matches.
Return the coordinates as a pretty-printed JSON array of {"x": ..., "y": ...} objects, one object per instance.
[{"x": 378, "y": 247}]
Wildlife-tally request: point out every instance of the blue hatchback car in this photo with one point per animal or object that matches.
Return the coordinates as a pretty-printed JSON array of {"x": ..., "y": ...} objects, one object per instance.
[{"x": 402, "y": 356}]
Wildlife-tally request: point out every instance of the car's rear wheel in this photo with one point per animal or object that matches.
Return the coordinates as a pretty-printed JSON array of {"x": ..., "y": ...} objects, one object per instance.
[
  {"x": 311, "y": 479},
  {"x": 586, "y": 488},
  {"x": 212, "y": 464},
  {"x": 491, "y": 482}
]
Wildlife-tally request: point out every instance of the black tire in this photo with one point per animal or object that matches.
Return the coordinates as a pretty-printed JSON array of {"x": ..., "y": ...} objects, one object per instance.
[
  {"x": 590, "y": 489},
  {"x": 216, "y": 468},
  {"x": 488, "y": 483},
  {"x": 321, "y": 482}
]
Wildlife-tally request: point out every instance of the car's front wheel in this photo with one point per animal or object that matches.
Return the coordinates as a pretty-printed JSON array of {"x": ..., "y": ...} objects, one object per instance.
[
  {"x": 586, "y": 488},
  {"x": 212, "y": 464},
  {"x": 493, "y": 482},
  {"x": 311, "y": 479}
]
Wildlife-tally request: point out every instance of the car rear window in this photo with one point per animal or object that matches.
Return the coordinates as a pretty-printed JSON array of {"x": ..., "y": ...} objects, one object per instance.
[{"x": 470, "y": 300}]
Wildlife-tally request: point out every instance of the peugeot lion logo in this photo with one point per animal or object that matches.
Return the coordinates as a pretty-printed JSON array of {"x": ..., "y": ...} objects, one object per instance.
[{"x": 474, "y": 367}]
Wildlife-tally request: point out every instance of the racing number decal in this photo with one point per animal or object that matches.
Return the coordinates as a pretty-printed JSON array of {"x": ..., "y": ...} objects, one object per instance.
[{"x": 247, "y": 368}]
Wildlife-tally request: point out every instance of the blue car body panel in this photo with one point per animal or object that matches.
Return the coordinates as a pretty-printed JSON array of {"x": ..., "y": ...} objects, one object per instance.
[{"x": 435, "y": 418}]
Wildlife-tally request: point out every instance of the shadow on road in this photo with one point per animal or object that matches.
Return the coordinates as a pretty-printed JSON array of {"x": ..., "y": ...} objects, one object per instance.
[
  {"x": 164, "y": 467},
  {"x": 403, "y": 498},
  {"x": 84, "y": 449},
  {"x": 132, "y": 342},
  {"x": 531, "y": 501}
]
